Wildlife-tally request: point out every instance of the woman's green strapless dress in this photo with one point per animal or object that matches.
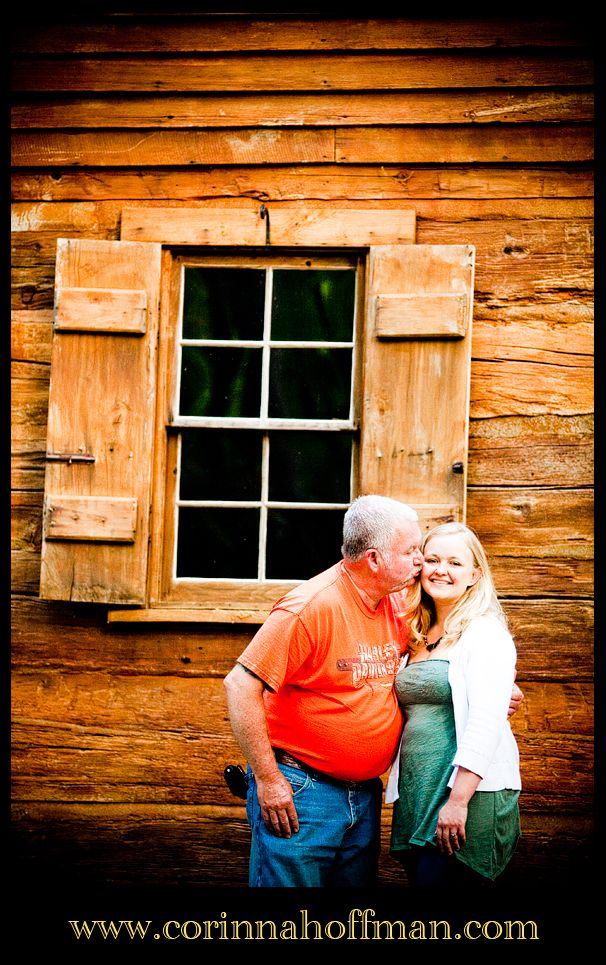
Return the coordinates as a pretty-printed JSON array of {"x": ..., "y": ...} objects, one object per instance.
[{"x": 428, "y": 749}]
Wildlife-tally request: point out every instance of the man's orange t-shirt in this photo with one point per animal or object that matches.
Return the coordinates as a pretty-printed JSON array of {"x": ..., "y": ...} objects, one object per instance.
[{"x": 330, "y": 662}]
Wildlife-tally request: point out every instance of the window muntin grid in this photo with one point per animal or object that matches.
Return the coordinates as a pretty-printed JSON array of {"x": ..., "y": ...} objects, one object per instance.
[{"x": 246, "y": 509}]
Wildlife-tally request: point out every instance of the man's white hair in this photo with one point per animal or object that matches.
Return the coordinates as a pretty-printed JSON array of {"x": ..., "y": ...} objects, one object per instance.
[{"x": 370, "y": 523}]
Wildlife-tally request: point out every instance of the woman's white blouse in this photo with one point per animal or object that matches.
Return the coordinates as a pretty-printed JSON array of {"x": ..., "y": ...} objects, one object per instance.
[{"x": 481, "y": 674}]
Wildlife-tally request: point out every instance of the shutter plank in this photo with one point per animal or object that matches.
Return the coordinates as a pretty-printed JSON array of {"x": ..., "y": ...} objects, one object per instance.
[
  {"x": 101, "y": 403},
  {"x": 421, "y": 316},
  {"x": 101, "y": 310},
  {"x": 91, "y": 518},
  {"x": 416, "y": 381}
]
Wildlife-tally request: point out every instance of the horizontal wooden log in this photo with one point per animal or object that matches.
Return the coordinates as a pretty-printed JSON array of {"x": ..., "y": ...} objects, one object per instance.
[
  {"x": 31, "y": 336},
  {"x": 297, "y": 72},
  {"x": 517, "y": 388},
  {"x": 387, "y": 182},
  {"x": 539, "y": 542},
  {"x": 224, "y": 33},
  {"x": 560, "y": 333},
  {"x": 544, "y": 450},
  {"x": 358, "y": 145},
  {"x": 553, "y": 637},
  {"x": 119, "y": 738},
  {"x": 516, "y": 224},
  {"x": 451, "y": 145},
  {"x": 304, "y": 110},
  {"x": 198, "y": 845}
]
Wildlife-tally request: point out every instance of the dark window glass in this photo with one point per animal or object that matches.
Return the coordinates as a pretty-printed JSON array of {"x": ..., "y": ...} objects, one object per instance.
[
  {"x": 221, "y": 303},
  {"x": 220, "y": 382},
  {"x": 315, "y": 305},
  {"x": 216, "y": 464},
  {"x": 301, "y": 543},
  {"x": 310, "y": 467},
  {"x": 310, "y": 383},
  {"x": 216, "y": 543}
]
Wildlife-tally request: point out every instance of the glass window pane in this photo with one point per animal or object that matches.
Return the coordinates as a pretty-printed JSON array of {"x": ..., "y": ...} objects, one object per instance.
[
  {"x": 301, "y": 543},
  {"x": 214, "y": 543},
  {"x": 220, "y": 382},
  {"x": 310, "y": 383},
  {"x": 220, "y": 464},
  {"x": 221, "y": 303},
  {"x": 310, "y": 467},
  {"x": 313, "y": 305}
]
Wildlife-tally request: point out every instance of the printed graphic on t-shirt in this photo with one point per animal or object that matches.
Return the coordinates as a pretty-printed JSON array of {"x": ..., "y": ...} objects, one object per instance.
[{"x": 372, "y": 663}]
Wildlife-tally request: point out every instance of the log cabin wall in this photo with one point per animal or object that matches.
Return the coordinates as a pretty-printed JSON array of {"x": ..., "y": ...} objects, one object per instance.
[{"x": 484, "y": 127}]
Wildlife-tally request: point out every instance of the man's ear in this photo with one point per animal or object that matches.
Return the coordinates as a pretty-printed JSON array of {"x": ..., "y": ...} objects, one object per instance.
[{"x": 372, "y": 559}]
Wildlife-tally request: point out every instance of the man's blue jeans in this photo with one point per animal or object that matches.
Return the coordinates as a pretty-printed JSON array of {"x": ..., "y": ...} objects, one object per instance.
[{"x": 338, "y": 842}]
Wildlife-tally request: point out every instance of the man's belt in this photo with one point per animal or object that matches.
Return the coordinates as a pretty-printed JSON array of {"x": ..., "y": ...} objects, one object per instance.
[{"x": 283, "y": 757}]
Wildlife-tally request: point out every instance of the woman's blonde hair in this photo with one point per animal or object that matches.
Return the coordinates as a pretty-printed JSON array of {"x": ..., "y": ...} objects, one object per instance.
[{"x": 478, "y": 600}]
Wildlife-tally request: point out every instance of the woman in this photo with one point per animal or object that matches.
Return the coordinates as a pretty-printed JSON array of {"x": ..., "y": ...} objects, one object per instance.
[{"x": 455, "y": 792}]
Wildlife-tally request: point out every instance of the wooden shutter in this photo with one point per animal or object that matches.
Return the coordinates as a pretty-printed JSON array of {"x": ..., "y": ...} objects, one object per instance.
[
  {"x": 100, "y": 422},
  {"x": 416, "y": 377}
]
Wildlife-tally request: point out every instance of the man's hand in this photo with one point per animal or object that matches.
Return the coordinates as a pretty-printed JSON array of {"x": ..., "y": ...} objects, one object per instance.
[
  {"x": 277, "y": 806},
  {"x": 516, "y": 700}
]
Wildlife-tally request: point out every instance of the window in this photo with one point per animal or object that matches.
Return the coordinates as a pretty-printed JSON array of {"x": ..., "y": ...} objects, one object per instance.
[
  {"x": 216, "y": 402},
  {"x": 265, "y": 415}
]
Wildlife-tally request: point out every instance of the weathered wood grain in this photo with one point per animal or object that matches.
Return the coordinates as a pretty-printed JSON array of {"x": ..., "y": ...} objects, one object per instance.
[
  {"x": 544, "y": 450},
  {"x": 267, "y": 182},
  {"x": 304, "y": 71},
  {"x": 451, "y": 145},
  {"x": 304, "y": 110},
  {"x": 111, "y": 35},
  {"x": 200, "y": 846},
  {"x": 119, "y": 738}
]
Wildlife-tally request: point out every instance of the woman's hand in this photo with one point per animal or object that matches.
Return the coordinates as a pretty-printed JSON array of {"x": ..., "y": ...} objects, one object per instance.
[
  {"x": 450, "y": 831},
  {"x": 452, "y": 818}
]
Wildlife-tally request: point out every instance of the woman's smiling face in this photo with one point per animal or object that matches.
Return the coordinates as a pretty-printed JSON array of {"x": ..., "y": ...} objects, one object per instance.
[{"x": 449, "y": 568}]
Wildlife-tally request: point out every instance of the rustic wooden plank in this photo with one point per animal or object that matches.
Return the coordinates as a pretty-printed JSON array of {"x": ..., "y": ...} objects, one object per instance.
[
  {"x": 298, "y": 225},
  {"x": 413, "y": 316},
  {"x": 386, "y": 182},
  {"x": 242, "y": 146},
  {"x": 94, "y": 518},
  {"x": 202, "y": 845},
  {"x": 304, "y": 110},
  {"x": 360, "y": 145},
  {"x": 225, "y": 33},
  {"x": 548, "y": 224},
  {"x": 94, "y": 409},
  {"x": 539, "y": 542},
  {"x": 552, "y": 638},
  {"x": 60, "y": 636},
  {"x": 142, "y": 738},
  {"x": 560, "y": 333},
  {"x": 504, "y": 387},
  {"x": 543, "y": 450},
  {"x": 31, "y": 335},
  {"x": 296, "y": 72},
  {"x": 238, "y": 146},
  {"x": 101, "y": 310},
  {"x": 412, "y": 459},
  {"x": 549, "y": 523}
]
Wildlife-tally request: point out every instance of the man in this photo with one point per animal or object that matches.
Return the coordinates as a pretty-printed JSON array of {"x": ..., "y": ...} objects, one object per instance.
[{"x": 312, "y": 705}]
